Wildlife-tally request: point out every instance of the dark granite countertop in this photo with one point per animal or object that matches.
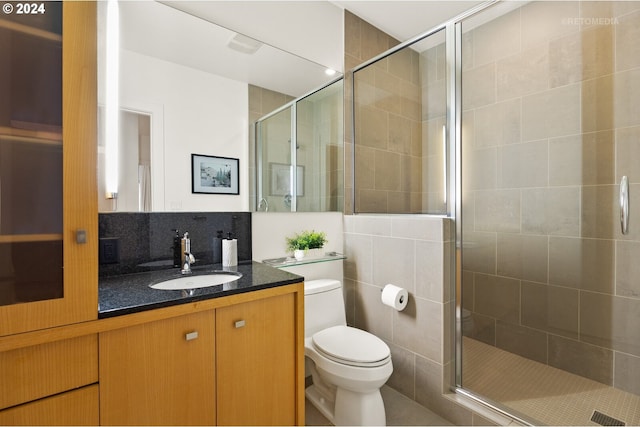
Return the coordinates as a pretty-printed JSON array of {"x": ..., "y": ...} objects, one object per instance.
[{"x": 130, "y": 293}]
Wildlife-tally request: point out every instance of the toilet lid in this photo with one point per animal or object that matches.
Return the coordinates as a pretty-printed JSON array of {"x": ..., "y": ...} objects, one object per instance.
[{"x": 351, "y": 346}]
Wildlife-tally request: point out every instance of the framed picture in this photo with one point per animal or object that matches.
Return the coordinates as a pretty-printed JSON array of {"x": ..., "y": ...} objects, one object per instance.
[
  {"x": 214, "y": 175},
  {"x": 281, "y": 179}
]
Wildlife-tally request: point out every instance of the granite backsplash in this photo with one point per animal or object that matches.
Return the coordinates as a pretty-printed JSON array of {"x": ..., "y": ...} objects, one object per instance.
[{"x": 147, "y": 238}]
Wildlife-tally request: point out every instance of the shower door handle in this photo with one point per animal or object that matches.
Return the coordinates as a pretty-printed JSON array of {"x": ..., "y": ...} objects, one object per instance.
[{"x": 624, "y": 205}]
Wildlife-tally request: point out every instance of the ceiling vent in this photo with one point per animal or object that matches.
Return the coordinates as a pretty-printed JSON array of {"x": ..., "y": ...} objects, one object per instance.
[{"x": 244, "y": 44}]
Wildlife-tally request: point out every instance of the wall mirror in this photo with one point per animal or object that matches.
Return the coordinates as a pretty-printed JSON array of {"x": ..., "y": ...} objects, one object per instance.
[{"x": 184, "y": 80}]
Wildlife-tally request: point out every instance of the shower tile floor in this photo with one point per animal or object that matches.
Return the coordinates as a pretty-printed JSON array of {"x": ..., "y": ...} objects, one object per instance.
[
  {"x": 400, "y": 410},
  {"x": 549, "y": 395}
]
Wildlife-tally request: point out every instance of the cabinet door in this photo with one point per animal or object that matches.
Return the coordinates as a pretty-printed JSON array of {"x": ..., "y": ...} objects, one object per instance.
[
  {"x": 47, "y": 165},
  {"x": 256, "y": 362},
  {"x": 159, "y": 373}
]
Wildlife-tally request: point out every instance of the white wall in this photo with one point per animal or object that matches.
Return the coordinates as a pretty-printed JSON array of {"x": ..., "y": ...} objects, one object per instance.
[{"x": 203, "y": 114}]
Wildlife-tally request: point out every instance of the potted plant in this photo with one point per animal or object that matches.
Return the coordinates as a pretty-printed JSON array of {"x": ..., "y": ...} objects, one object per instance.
[{"x": 300, "y": 243}]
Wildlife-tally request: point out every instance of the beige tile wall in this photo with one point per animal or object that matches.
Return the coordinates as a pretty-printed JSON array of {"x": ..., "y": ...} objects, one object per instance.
[{"x": 551, "y": 123}]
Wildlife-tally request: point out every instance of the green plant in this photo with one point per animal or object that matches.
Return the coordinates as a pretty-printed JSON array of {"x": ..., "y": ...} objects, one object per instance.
[{"x": 306, "y": 240}]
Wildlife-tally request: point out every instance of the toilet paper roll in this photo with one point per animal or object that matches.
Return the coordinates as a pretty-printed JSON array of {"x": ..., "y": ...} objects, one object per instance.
[
  {"x": 229, "y": 252},
  {"x": 395, "y": 297}
]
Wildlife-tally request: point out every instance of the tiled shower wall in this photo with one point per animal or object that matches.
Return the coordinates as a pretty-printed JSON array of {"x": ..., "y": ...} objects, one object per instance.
[{"x": 551, "y": 122}]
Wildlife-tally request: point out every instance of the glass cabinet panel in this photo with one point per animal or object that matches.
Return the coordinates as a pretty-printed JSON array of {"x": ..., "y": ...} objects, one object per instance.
[{"x": 31, "y": 157}]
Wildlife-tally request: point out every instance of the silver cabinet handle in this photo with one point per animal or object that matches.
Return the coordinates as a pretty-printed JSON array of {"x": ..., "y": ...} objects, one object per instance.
[
  {"x": 191, "y": 335},
  {"x": 239, "y": 324},
  {"x": 624, "y": 205}
]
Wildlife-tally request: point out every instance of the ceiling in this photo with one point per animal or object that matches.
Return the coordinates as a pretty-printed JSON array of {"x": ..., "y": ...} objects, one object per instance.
[
  {"x": 406, "y": 19},
  {"x": 300, "y": 37}
]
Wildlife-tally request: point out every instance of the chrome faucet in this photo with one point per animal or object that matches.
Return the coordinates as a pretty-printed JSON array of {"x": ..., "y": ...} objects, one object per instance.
[{"x": 188, "y": 258}]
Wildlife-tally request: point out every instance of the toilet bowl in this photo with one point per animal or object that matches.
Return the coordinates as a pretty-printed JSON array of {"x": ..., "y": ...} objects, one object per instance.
[{"x": 348, "y": 365}]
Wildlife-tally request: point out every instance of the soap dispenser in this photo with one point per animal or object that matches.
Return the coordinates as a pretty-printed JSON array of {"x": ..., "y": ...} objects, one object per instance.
[{"x": 177, "y": 249}]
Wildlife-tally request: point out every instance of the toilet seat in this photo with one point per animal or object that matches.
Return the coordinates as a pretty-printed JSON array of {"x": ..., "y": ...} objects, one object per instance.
[{"x": 351, "y": 346}]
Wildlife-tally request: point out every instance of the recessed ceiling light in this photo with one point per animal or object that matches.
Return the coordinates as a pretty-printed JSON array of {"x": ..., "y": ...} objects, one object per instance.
[{"x": 329, "y": 72}]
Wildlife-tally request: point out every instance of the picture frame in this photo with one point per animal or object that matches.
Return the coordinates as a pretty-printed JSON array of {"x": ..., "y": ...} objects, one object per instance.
[
  {"x": 280, "y": 180},
  {"x": 214, "y": 175}
]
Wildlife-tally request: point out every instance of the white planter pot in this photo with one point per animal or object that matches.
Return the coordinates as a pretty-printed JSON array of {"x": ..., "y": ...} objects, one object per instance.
[{"x": 298, "y": 254}]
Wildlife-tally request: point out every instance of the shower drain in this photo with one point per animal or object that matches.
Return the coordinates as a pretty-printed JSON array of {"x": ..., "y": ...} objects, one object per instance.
[{"x": 605, "y": 420}]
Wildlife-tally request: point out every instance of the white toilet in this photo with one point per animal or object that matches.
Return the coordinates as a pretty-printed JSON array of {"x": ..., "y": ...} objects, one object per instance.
[{"x": 348, "y": 365}]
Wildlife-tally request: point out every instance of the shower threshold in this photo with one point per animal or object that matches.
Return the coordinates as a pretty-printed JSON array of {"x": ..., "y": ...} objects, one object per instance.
[{"x": 541, "y": 392}]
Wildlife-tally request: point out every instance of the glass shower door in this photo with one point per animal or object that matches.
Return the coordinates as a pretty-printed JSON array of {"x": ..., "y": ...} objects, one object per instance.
[
  {"x": 550, "y": 284},
  {"x": 273, "y": 135}
]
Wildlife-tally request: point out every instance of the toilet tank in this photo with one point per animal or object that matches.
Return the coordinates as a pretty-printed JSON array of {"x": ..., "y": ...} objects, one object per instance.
[{"x": 323, "y": 305}]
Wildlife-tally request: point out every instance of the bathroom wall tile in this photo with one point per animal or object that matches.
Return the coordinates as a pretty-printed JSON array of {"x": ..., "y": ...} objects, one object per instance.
[
  {"x": 498, "y": 297},
  {"x": 586, "y": 264},
  {"x": 349, "y": 289},
  {"x": 419, "y": 228},
  {"x": 483, "y": 329},
  {"x": 434, "y": 98},
  {"x": 388, "y": 92},
  {"x": 411, "y": 174},
  {"x": 365, "y": 167},
  {"x": 498, "y": 124},
  {"x": 550, "y": 308},
  {"x": 497, "y": 38},
  {"x": 398, "y": 202},
  {"x": 627, "y": 268},
  {"x": 467, "y": 290},
  {"x": 522, "y": 256},
  {"x": 609, "y": 321},
  {"x": 371, "y": 201},
  {"x": 403, "y": 377},
  {"x": 481, "y": 168},
  {"x": 479, "y": 252},
  {"x": 418, "y": 328},
  {"x": 553, "y": 211},
  {"x": 581, "y": 56},
  {"x": 373, "y": 41},
  {"x": 626, "y": 370},
  {"x": 369, "y": 224},
  {"x": 606, "y": 9},
  {"x": 432, "y": 136},
  {"x": 479, "y": 86},
  {"x": 400, "y": 134},
  {"x": 371, "y": 315},
  {"x": 586, "y": 159},
  {"x": 497, "y": 210},
  {"x": 626, "y": 47},
  {"x": 359, "y": 252},
  {"x": 523, "y": 165},
  {"x": 429, "y": 272},
  {"x": 552, "y": 113},
  {"x": 435, "y": 173},
  {"x": 401, "y": 64},
  {"x": 581, "y": 359},
  {"x": 625, "y": 98},
  {"x": 387, "y": 171},
  {"x": 523, "y": 74},
  {"x": 599, "y": 216},
  {"x": 372, "y": 127},
  {"x": 428, "y": 380},
  {"x": 627, "y": 151},
  {"x": 598, "y": 111},
  {"x": 394, "y": 262},
  {"x": 523, "y": 341},
  {"x": 352, "y": 27},
  {"x": 543, "y": 21}
]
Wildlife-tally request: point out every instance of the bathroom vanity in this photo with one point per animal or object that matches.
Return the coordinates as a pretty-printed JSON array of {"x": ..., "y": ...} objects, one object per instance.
[{"x": 221, "y": 357}]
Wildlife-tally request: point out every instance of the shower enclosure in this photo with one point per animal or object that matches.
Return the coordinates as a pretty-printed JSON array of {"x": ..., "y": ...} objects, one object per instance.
[
  {"x": 539, "y": 106},
  {"x": 299, "y": 154}
]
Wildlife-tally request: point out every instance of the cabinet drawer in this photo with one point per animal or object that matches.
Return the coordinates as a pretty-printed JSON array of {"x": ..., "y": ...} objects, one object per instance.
[
  {"x": 42, "y": 370},
  {"x": 73, "y": 408}
]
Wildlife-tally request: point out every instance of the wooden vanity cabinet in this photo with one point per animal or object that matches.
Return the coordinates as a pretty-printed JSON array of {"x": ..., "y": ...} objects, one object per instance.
[
  {"x": 244, "y": 367},
  {"x": 48, "y": 143},
  {"x": 159, "y": 373},
  {"x": 255, "y": 360}
]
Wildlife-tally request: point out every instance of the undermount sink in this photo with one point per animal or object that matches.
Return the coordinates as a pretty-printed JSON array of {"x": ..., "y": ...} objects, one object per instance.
[{"x": 195, "y": 282}]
